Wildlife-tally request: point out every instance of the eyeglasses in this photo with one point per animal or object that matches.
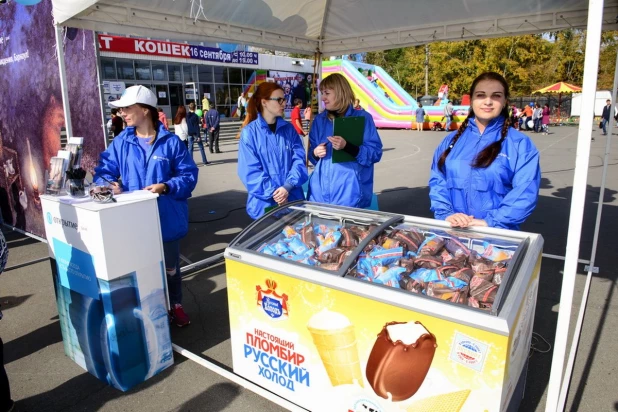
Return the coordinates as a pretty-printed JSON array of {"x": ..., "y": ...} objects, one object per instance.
[{"x": 280, "y": 100}]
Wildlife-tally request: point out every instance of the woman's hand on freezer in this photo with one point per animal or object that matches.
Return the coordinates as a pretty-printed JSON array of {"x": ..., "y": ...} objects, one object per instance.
[
  {"x": 338, "y": 142},
  {"x": 320, "y": 151},
  {"x": 281, "y": 195},
  {"x": 477, "y": 222},
  {"x": 460, "y": 220}
]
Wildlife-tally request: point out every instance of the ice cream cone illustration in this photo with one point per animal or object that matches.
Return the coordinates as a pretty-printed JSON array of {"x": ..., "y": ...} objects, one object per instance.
[
  {"x": 334, "y": 338},
  {"x": 400, "y": 359}
]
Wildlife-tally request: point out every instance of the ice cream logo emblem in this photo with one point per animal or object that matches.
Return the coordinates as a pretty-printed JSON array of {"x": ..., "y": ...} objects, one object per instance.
[
  {"x": 273, "y": 304},
  {"x": 469, "y": 352},
  {"x": 365, "y": 405}
]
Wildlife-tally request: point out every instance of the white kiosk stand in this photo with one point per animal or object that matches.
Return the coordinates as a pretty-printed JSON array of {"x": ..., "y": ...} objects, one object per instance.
[{"x": 110, "y": 282}]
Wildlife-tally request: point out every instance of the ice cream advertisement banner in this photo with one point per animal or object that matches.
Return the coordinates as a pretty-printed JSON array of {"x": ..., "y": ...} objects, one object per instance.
[
  {"x": 329, "y": 350},
  {"x": 31, "y": 111}
]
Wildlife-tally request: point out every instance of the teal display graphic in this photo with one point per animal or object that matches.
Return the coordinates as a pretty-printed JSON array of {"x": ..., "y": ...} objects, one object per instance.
[{"x": 76, "y": 269}]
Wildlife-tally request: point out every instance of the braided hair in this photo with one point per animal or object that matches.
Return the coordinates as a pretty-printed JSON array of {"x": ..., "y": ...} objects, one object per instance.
[{"x": 486, "y": 156}]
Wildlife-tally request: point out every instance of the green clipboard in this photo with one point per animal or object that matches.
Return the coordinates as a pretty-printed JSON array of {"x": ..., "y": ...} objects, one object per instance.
[
  {"x": 269, "y": 208},
  {"x": 352, "y": 129}
]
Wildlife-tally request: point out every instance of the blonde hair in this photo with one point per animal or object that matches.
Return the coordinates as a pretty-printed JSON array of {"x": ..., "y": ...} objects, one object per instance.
[{"x": 344, "y": 96}]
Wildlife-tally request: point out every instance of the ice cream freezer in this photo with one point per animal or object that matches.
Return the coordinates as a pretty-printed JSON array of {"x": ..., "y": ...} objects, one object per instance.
[{"x": 340, "y": 309}]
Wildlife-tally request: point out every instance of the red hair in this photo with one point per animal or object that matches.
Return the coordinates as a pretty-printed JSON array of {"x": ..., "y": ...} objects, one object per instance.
[{"x": 254, "y": 106}]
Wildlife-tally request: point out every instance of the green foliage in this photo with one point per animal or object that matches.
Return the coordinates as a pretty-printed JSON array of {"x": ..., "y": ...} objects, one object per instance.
[{"x": 528, "y": 62}]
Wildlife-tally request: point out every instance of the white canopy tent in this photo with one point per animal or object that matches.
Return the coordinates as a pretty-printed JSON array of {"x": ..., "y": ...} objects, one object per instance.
[{"x": 332, "y": 27}]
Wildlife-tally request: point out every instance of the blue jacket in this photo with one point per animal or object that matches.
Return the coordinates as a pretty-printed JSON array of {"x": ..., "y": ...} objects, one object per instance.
[
  {"x": 193, "y": 124},
  {"x": 349, "y": 183},
  {"x": 167, "y": 161},
  {"x": 212, "y": 119},
  {"x": 503, "y": 194},
  {"x": 267, "y": 161}
]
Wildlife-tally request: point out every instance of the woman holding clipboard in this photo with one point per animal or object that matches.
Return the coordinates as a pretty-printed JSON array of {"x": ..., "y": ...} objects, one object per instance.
[{"x": 343, "y": 172}]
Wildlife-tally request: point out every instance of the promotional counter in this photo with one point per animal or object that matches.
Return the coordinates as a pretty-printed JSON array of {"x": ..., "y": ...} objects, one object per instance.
[
  {"x": 110, "y": 284},
  {"x": 340, "y": 309}
]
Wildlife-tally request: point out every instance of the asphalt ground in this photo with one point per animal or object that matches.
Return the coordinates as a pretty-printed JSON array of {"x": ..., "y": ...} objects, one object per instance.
[{"x": 44, "y": 379}]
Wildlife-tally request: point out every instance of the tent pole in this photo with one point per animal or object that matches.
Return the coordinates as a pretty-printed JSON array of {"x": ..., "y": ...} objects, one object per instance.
[
  {"x": 591, "y": 63},
  {"x": 63, "y": 81},
  {"x": 582, "y": 309}
]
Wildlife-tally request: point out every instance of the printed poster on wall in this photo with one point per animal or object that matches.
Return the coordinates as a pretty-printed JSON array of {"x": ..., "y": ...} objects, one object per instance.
[
  {"x": 31, "y": 111},
  {"x": 295, "y": 86}
]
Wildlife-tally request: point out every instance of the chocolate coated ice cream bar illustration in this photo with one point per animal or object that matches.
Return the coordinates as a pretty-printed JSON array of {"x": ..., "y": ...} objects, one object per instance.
[{"x": 400, "y": 359}]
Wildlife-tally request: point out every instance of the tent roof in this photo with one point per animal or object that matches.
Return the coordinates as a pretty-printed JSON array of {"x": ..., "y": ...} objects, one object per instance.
[
  {"x": 332, "y": 26},
  {"x": 560, "y": 87}
]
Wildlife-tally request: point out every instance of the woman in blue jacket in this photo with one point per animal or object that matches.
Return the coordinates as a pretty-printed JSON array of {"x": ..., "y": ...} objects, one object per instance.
[
  {"x": 271, "y": 156},
  {"x": 486, "y": 173},
  {"x": 146, "y": 156},
  {"x": 346, "y": 183}
]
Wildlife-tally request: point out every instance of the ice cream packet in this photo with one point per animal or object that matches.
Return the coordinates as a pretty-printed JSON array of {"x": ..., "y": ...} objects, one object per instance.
[
  {"x": 472, "y": 302},
  {"x": 389, "y": 243},
  {"x": 267, "y": 250},
  {"x": 441, "y": 290},
  {"x": 432, "y": 245},
  {"x": 482, "y": 290},
  {"x": 425, "y": 275},
  {"x": 348, "y": 238},
  {"x": 331, "y": 240},
  {"x": 297, "y": 246},
  {"x": 428, "y": 262},
  {"x": 487, "y": 275},
  {"x": 413, "y": 285},
  {"x": 495, "y": 253},
  {"x": 446, "y": 256},
  {"x": 330, "y": 266},
  {"x": 412, "y": 241},
  {"x": 335, "y": 255},
  {"x": 385, "y": 257},
  {"x": 359, "y": 232},
  {"x": 390, "y": 277},
  {"x": 464, "y": 274},
  {"x": 289, "y": 231},
  {"x": 479, "y": 264},
  {"x": 455, "y": 247},
  {"x": 446, "y": 271},
  {"x": 363, "y": 267},
  {"x": 498, "y": 276},
  {"x": 281, "y": 247},
  {"x": 307, "y": 235}
]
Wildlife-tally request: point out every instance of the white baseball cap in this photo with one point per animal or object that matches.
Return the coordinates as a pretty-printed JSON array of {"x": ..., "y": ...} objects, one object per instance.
[{"x": 133, "y": 95}]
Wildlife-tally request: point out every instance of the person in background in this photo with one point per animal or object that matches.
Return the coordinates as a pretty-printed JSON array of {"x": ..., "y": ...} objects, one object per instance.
[
  {"x": 545, "y": 119},
  {"x": 295, "y": 117},
  {"x": 193, "y": 125},
  {"x": 162, "y": 118},
  {"x": 357, "y": 105},
  {"x": 241, "y": 106},
  {"x": 117, "y": 123},
  {"x": 607, "y": 112},
  {"x": 486, "y": 173},
  {"x": 420, "y": 117},
  {"x": 307, "y": 115},
  {"x": 211, "y": 119},
  {"x": 148, "y": 157},
  {"x": 348, "y": 183},
  {"x": 180, "y": 123},
  {"x": 537, "y": 115},
  {"x": 205, "y": 103},
  {"x": 527, "y": 116},
  {"x": 299, "y": 91},
  {"x": 271, "y": 157},
  {"x": 448, "y": 114},
  {"x": 6, "y": 403}
]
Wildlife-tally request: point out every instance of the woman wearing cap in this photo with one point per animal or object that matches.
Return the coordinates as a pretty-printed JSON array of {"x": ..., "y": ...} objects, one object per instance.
[
  {"x": 271, "y": 157},
  {"x": 347, "y": 183},
  {"x": 149, "y": 157},
  {"x": 486, "y": 173}
]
